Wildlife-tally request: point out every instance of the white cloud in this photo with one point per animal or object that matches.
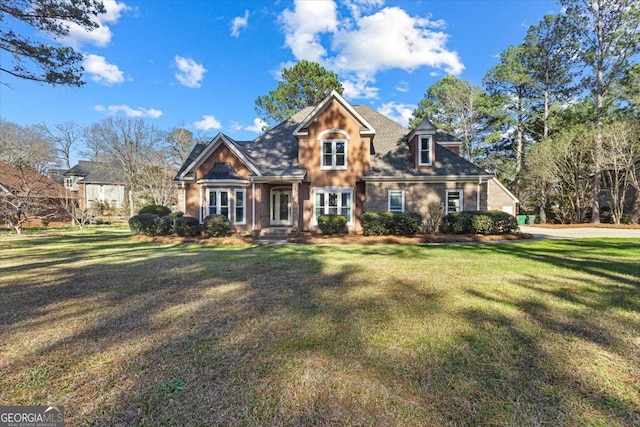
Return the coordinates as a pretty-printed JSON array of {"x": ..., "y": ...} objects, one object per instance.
[
  {"x": 190, "y": 73},
  {"x": 391, "y": 38},
  {"x": 258, "y": 126},
  {"x": 356, "y": 86},
  {"x": 402, "y": 86},
  {"x": 399, "y": 113},
  {"x": 129, "y": 112},
  {"x": 208, "y": 122},
  {"x": 239, "y": 22},
  {"x": 304, "y": 25},
  {"x": 367, "y": 42},
  {"x": 101, "y": 71},
  {"x": 100, "y": 36}
]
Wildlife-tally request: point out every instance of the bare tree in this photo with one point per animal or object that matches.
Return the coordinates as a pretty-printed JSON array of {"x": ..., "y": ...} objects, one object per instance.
[
  {"x": 620, "y": 169},
  {"x": 26, "y": 146},
  {"x": 127, "y": 145},
  {"x": 65, "y": 137},
  {"x": 27, "y": 195}
]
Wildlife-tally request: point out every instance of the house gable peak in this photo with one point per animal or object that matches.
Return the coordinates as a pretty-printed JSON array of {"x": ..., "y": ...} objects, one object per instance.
[{"x": 365, "y": 129}]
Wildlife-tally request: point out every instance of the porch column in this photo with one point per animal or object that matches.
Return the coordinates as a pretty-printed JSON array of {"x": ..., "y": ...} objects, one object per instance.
[
  {"x": 295, "y": 208},
  {"x": 201, "y": 209}
]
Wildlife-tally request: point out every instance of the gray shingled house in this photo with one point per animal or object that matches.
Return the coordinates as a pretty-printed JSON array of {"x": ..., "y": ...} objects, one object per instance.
[
  {"x": 94, "y": 181},
  {"x": 332, "y": 158}
]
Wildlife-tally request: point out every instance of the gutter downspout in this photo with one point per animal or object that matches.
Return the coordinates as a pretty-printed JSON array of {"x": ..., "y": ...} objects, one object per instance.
[
  {"x": 253, "y": 206},
  {"x": 478, "y": 193}
]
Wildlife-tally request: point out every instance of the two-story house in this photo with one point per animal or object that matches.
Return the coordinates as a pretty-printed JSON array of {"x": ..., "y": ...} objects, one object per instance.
[
  {"x": 95, "y": 182},
  {"x": 332, "y": 159}
]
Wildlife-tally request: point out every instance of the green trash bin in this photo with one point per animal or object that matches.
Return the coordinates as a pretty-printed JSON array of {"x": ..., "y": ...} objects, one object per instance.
[
  {"x": 521, "y": 219},
  {"x": 531, "y": 219}
]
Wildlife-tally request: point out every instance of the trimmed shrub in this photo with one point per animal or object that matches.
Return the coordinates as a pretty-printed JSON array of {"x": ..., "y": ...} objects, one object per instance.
[
  {"x": 166, "y": 225},
  {"x": 407, "y": 223},
  {"x": 155, "y": 209},
  {"x": 372, "y": 224},
  {"x": 186, "y": 226},
  {"x": 479, "y": 222},
  {"x": 332, "y": 224},
  {"x": 143, "y": 224},
  {"x": 217, "y": 225},
  {"x": 387, "y": 223}
]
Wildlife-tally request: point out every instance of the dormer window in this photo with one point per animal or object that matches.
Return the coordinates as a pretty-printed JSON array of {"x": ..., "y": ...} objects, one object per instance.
[
  {"x": 334, "y": 154},
  {"x": 424, "y": 150}
]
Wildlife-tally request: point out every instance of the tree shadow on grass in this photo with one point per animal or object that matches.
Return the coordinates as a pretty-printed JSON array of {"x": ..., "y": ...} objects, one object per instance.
[{"x": 278, "y": 336}]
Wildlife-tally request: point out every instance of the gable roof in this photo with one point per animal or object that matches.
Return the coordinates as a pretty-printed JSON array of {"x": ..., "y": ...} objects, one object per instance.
[
  {"x": 366, "y": 128},
  {"x": 275, "y": 152},
  {"x": 19, "y": 181},
  {"x": 95, "y": 172},
  {"x": 201, "y": 152}
]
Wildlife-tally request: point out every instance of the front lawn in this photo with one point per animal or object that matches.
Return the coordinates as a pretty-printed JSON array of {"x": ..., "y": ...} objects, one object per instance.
[{"x": 129, "y": 332}]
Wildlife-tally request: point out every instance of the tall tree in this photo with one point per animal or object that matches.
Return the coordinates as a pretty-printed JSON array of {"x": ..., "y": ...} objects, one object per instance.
[
  {"x": 550, "y": 56},
  {"x": 609, "y": 34},
  {"x": 180, "y": 142},
  {"x": 127, "y": 145},
  {"x": 453, "y": 105},
  {"x": 305, "y": 84},
  {"x": 26, "y": 146},
  {"x": 41, "y": 62},
  {"x": 65, "y": 137},
  {"x": 513, "y": 83}
]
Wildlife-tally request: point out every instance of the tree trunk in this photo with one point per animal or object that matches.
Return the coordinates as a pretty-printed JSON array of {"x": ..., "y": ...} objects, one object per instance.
[
  {"x": 543, "y": 202},
  {"x": 132, "y": 209}
]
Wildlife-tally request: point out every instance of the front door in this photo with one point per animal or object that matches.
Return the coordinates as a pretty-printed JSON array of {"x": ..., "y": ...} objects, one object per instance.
[{"x": 280, "y": 206}]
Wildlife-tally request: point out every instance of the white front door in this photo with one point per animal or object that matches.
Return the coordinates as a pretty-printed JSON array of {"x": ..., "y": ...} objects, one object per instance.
[{"x": 280, "y": 207}]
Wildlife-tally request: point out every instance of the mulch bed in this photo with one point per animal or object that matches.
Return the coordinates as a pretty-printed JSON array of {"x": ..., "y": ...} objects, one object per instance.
[{"x": 315, "y": 239}]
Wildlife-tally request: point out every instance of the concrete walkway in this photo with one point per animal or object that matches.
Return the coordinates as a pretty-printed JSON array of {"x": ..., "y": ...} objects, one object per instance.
[{"x": 580, "y": 233}]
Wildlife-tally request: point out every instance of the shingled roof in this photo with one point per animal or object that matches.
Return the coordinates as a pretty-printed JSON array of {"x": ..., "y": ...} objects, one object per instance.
[
  {"x": 23, "y": 181},
  {"x": 275, "y": 153},
  {"x": 95, "y": 172}
]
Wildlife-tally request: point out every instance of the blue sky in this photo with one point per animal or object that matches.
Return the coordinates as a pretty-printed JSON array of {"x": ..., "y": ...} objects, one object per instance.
[{"x": 201, "y": 64}]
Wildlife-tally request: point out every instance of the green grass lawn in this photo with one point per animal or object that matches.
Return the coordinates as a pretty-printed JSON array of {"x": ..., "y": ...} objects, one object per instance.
[{"x": 125, "y": 332}]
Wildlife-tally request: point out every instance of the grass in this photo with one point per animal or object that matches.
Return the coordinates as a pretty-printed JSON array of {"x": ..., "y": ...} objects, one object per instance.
[{"x": 130, "y": 332}]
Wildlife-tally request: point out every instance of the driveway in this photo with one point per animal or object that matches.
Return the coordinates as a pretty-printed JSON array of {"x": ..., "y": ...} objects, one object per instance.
[{"x": 580, "y": 233}]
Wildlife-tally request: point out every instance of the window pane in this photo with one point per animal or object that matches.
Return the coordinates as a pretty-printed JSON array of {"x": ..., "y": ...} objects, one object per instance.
[
  {"x": 319, "y": 199},
  {"x": 340, "y": 160},
  {"x": 239, "y": 198},
  {"x": 327, "y": 160},
  {"x": 284, "y": 207},
  {"x": 340, "y": 147},
  {"x": 326, "y": 148},
  {"x": 239, "y": 214},
  {"x": 346, "y": 200},
  {"x": 453, "y": 204},
  {"x": 224, "y": 198},
  {"x": 224, "y": 211},
  {"x": 425, "y": 150},
  {"x": 319, "y": 211},
  {"x": 213, "y": 198},
  {"x": 333, "y": 199},
  {"x": 395, "y": 201},
  {"x": 273, "y": 207},
  {"x": 346, "y": 212}
]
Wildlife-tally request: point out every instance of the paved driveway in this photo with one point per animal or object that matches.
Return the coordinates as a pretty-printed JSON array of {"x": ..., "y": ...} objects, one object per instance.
[{"x": 578, "y": 233}]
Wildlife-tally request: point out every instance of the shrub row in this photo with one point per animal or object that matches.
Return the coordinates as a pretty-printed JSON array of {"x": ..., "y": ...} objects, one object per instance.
[
  {"x": 155, "y": 225},
  {"x": 332, "y": 224},
  {"x": 151, "y": 224},
  {"x": 386, "y": 223},
  {"x": 155, "y": 209},
  {"x": 479, "y": 222}
]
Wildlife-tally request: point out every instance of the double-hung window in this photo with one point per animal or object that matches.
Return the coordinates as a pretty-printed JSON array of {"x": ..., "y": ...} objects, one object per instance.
[
  {"x": 334, "y": 154},
  {"x": 454, "y": 201},
  {"x": 240, "y": 199},
  {"x": 218, "y": 202},
  {"x": 332, "y": 202},
  {"x": 396, "y": 200},
  {"x": 424, "y": 150}
]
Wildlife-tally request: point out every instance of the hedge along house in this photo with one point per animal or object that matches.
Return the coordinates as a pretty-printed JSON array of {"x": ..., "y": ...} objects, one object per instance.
[{"x": 332, "y": 159}]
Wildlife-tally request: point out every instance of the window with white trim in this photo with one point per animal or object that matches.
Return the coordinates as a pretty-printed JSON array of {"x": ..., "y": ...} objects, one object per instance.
[
  {"x": 396, "y": 201},
  {"x": 332, "y": 202},
  {"x": 69, "y": 183},
  {"x": 240, "y": 200},
  {"x": 424, "y": 150},
  {"x": 454, "y": 201},
  {"x": 334, "y": 154},
  {"x": 218, "y": 203}
]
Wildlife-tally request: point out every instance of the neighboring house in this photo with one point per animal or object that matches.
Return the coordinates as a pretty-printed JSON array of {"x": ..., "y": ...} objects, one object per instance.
[
  {"x": 332, "y": 159},
  {"x": 94, "y": 181},
  {"x": 27, "y": 196}
]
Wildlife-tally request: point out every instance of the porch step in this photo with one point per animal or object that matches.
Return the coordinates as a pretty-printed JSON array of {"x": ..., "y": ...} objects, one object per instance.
[{"x": 276, "y": 232}]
